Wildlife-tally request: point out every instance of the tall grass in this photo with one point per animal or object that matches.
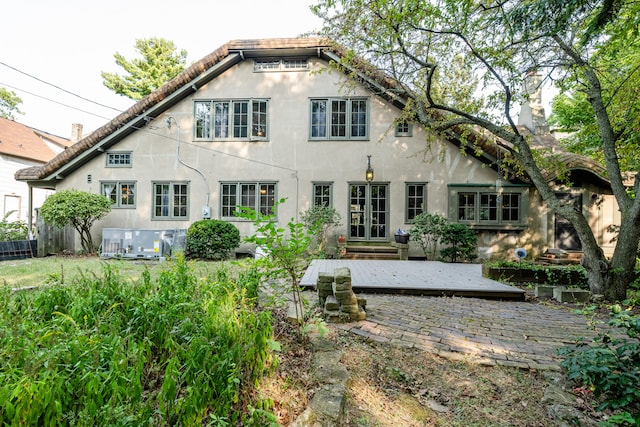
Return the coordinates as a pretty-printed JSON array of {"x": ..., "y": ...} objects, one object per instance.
[{"x": 106, "y": 351}]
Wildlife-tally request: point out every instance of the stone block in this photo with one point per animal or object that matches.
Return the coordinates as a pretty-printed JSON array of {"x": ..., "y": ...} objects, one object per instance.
[
  {"x": 346, "y": 297},
  {"x": 342, "y": 275},
  {"x": 325, "y": 278},
  {"x": 544, "y": 291},
  {"x": 345, "y": 286},
  {"x": 350, "y": 308},
  {"x": 325, "y": 286},
  {"x": 360, "y": 315},
  {"x": 331, "y": 303},
  {"x": 563, "y": 294}
]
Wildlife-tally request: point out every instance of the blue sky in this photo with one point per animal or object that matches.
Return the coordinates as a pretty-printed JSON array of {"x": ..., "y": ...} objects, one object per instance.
[{"x": 69, "y": 42}]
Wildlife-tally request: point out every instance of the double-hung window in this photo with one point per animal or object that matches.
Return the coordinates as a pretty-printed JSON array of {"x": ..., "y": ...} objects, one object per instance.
[
  {"x": 339, "y": 118},
  {"x": 170, "y": 200},
  {"x": 121, "y": 193},
  {"x": 483, "y": 206},
  {"x": 322, "y": 194},
  {"x": 416, "y": 200},
  {"x": 232, "y": 119},
  {"x": 259, "y": 196}
]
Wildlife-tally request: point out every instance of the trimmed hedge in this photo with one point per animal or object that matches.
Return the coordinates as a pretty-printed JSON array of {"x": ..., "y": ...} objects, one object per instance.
[{"x": 212, "y": 239}]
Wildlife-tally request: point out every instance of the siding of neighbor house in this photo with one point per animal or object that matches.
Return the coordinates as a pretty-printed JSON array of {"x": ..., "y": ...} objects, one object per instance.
[{"x": 165, "y": 150}]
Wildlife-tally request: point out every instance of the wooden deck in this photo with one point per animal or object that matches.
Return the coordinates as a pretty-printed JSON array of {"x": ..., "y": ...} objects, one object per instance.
[{"x": 415, "y": 278}]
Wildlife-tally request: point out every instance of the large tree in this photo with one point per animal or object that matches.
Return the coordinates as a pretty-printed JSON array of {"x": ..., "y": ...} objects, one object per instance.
[
  {"x": 160, "y": 62},
  {"x": 9, "y": 102},
  {"x": 427, "y": 45}
]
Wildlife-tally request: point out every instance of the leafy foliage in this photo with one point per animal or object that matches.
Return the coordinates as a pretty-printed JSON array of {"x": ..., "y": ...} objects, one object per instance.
[
  {"x": 212, "y": 239},
  {"x": 610, "y": 367},
  {"x": 461, "y": 63},
  {"x": 77, "y": 208},
  {"x": 321, "y": 219},
  {"x": 104, "y": 351},
  {"x": 427, "y": 231},
  {"x": 160, "y": 63},
  {"x": 286, "y": 251},
  {"x": 9, "y": 102},
  {"x": 461, "y": 240},
  {"x": 12, "y": 230}
]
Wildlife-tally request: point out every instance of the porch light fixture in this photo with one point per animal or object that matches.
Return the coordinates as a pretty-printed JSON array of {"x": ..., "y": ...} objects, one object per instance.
[{"x": 369, "y": 173}]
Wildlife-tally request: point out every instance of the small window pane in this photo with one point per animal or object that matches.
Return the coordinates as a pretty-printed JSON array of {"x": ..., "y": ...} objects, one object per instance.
[
  {"x": 322, "y": 194},
  {"x": 359, "y": 118},
  {"x": 259, "y": 119},
  {"x": 511, "y": 207},
  {"x": 240, "y": 119},
  {"x": 221, "y": 127},
  {"x": 318, "y": 119},
  {"x": 338, "y": 118},
  {"x": 466, "y": 206},
  {"x": 416, "y": 200},
  {"x": 488, "y": 207},
  {"x": 203, "y": 120}
]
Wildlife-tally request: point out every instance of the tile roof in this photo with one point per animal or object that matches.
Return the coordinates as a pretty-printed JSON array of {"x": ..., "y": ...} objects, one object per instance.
[{"x": 18, "y": 140}]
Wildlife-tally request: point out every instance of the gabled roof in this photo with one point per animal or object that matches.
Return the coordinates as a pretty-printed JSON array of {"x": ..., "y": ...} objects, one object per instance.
[
  {"x": 18, "y": 140},
  {"x": 205, "y": 70}
]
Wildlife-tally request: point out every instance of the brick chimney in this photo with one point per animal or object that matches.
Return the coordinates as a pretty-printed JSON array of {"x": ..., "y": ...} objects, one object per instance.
[
  {"x": 76, "y": 132},
  {"x": 532, "y": 112}
]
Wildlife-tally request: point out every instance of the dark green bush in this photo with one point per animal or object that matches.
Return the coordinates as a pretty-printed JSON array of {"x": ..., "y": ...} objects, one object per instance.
[
  {"x": 212, "y": 239},
  {"x": 610, "y": 367},
  {"x": 461, "y": 240}
]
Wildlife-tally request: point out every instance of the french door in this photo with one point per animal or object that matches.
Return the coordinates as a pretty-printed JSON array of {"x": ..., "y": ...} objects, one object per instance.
[{"x": 368, "y": 211}]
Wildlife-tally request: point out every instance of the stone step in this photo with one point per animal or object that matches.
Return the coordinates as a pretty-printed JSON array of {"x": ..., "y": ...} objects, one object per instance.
[
  {"x": 371, "y": 249},
  {"x": 372, "y": 255}
]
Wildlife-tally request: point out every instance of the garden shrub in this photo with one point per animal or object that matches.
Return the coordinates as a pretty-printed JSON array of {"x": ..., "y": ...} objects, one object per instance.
[
  {"x": 427, "y": 232},
  {"x": 321, "y": 219},
  {"x": 462, "y": 242},
  {"x": 176, "y": 350},
  {"x": 610, "y": 368},
  {"x": 12, "y": 230},
  {"x": 212, "y": 239}
]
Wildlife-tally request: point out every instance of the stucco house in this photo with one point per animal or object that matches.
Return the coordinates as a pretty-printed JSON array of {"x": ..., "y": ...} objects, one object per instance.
[
  {"x": 260, "y": 120},
  {"x": 23, "y": 146}
]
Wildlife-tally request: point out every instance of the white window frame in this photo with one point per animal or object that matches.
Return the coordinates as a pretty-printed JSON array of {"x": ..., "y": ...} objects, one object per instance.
[
  {"x": 325, "y": 123},
  {"x": 226, "y": 119}
]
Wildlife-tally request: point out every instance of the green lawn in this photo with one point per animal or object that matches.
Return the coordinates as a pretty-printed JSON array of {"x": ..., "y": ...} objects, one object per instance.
[{"x": 38, "y": 271}]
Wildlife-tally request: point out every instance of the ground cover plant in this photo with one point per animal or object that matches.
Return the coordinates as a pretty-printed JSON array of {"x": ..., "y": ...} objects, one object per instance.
[{"x": 173, "y": 350}]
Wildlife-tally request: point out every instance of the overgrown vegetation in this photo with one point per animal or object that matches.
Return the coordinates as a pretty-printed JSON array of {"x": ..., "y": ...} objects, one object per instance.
[
  {"x": 286, "y": 253},
  {"x": 610, "y": 367},
  {"x": 178, "y": 350},
  {"x": 522, "y": 272},
  {"x": 321, "y": 219},
  {"x": 212, "y": 239},
  {"x": 12, "y": 230}
]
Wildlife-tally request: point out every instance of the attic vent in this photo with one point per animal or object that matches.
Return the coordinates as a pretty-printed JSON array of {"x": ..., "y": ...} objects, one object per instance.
[
  {"x": 266, "y": 65},
  {"x": 89, "y": 179}
]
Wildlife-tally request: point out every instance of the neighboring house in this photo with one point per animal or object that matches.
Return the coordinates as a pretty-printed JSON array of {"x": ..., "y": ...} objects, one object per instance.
[
  {"x": 260, "y": 120},
  {"x": 22, "y": 146}
]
